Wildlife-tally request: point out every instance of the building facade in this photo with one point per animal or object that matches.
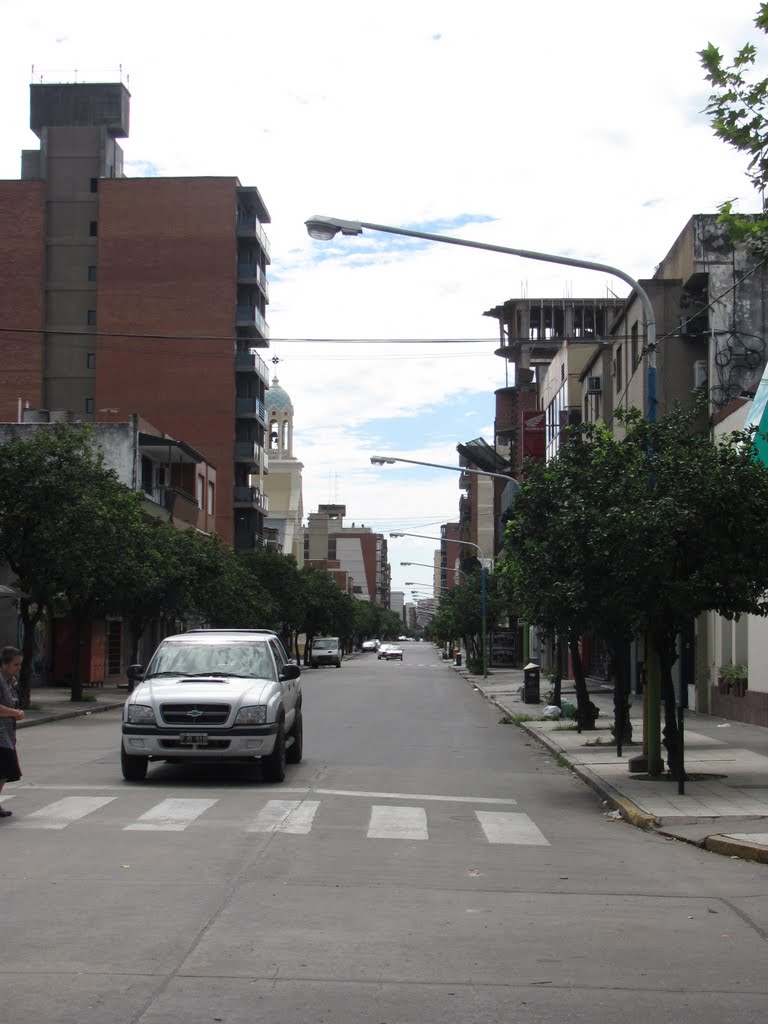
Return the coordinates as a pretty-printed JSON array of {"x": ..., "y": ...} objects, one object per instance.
[{"x": 137, "y": 295}]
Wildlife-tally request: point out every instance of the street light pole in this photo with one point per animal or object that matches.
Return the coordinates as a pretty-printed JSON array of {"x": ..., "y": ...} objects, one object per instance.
[
  {"x": 386, "y": 460},
  {"x": 426, "y": 565},
  {"x": 471, "y": 544},
  {"x": 325, "y": 228}
]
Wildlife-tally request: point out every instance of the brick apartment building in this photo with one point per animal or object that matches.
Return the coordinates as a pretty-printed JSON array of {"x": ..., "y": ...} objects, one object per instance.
[{"x": 136, "y": 295}]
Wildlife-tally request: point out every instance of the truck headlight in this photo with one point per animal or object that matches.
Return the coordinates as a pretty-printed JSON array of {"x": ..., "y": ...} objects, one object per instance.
[
  {"x": 140, "y": 714},
  {"x": 256, "y": 714}
]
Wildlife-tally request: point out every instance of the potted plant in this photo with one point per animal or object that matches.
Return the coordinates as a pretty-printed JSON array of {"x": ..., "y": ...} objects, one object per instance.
[{"x": 732, "y": 679}]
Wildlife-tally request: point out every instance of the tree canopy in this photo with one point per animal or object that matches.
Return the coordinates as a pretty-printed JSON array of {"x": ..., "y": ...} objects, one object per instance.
[{"x": 737, "y": 109}]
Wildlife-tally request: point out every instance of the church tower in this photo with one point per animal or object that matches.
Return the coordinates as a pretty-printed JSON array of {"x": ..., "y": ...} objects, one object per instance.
[{"x": 283, "y": 482}]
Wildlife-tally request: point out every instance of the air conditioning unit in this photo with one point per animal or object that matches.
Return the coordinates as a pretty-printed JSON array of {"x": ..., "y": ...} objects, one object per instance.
[
  {"x": 594, "y": 385},
  {"x": 700, "y": 374}
]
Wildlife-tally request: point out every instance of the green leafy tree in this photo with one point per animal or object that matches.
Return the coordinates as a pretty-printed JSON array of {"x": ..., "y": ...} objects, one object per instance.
[
  {"x": 65, "y": 529},
  {"x": 576, "y": 550},
  {"x": 320, "y": 601},
  {"x": 279, "y": 576},
  {"x": 737, "y": 109}
]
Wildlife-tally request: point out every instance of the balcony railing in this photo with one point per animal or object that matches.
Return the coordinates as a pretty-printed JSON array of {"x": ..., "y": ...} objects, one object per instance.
[
  {"x": 247, "y": 451},
  {"x": 250, "y": 316},
  {"x": 248, "y": 540},
  {"x": 249, "y": 227},
  {"x": 252, "y": 497},
  {"x": 248, "y": 407},
  {"x": 250, "y": 273},
  {"x": 249, "y": 362}
]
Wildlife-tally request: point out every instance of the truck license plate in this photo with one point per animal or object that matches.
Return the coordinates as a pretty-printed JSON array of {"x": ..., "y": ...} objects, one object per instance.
[{"x": 197, "y": 739}]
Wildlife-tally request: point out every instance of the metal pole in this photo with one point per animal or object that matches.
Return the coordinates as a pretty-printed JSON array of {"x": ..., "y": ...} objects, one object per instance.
[{"x": 485, "y": 621}]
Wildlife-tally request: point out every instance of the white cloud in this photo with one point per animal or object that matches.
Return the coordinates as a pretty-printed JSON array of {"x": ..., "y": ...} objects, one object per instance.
[{"x": 563, "y": 127}]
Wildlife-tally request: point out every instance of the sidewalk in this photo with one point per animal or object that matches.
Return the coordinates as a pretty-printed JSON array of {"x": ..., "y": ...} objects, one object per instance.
[
  {"x": 52, "y": 703},
  {"x": 725, "y": 804}
]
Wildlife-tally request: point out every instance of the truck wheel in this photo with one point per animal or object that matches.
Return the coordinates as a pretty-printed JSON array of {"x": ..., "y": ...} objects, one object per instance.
[
  {"x": 134, "y": 768},
  {"x": 338, "y": 664},
  {"x": 274, "y": 766},
  {"x": 295, "y": 752}
]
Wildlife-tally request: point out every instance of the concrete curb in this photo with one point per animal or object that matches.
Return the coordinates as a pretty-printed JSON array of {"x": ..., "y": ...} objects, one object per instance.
[
  {"x": 629, "y": 811},
  {"x": 736, "y": 848}
]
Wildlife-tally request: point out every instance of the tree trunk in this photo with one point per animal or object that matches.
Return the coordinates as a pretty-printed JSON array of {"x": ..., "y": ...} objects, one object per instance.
[
  {"x": 586, "y": 711},
  {"x": 77, "y": 656},
  {"x": 622, "y": 727},
  {"x": 670, "y": 735},
  {"x": 557, "y": 674}
]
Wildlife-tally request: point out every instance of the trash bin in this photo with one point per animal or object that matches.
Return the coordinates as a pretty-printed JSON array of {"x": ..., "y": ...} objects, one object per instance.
[{"x": 532, "y": 684}]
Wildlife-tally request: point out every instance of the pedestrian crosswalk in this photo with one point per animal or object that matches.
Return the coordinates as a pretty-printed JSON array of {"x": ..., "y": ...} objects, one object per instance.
[{"x": 377, "y": 821}]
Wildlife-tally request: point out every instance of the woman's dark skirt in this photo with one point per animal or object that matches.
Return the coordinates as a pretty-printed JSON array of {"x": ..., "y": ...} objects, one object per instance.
[{"x": 9, "y": 765}]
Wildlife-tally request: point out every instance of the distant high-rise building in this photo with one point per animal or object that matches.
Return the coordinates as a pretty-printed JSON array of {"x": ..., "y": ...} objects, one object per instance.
[{"x": 136, "y": 295}]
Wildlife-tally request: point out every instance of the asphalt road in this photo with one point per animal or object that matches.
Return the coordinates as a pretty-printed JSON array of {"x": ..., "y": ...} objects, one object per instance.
[{"x": 424, "y": 863}]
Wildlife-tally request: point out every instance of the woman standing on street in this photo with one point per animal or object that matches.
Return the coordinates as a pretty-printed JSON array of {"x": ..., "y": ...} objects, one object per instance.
[{"x": 10, "y": 666}]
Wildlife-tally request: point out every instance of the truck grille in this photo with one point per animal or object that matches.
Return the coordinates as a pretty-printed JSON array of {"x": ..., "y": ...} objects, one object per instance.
[{"x": 209, "y": 714}]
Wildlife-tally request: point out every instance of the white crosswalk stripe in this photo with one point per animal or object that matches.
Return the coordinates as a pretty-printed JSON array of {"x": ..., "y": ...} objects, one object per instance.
[
  {"x": 397, "y": 822},
  {"x": 170, "y": 816},
  {"x": 507, "y": 827},
  {"x": 63, "y": 812},
  {"x": 289, "y": 817},
  {"x": 292, "y": 816}
]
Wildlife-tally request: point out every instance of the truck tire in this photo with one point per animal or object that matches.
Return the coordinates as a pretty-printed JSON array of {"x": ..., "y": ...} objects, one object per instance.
[
  {"x": 273, "y": 767},
  {"x": 134, "y": 768},
  {"x": 295, "y": 752}
]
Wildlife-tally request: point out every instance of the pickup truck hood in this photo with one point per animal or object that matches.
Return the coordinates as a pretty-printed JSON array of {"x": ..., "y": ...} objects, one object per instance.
[{"x": 197, "y": 689}]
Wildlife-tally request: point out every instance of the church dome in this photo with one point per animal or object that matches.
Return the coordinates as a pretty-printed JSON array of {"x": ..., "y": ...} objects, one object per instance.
[{"x": 278, "y": 398}]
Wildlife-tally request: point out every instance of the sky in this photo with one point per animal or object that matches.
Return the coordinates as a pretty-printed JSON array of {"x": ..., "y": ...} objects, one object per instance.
[{"x": 568, "y": 128}]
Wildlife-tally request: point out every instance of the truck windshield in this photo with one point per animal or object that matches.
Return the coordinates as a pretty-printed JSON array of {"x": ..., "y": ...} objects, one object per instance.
[{"x": 246, "y": 660}]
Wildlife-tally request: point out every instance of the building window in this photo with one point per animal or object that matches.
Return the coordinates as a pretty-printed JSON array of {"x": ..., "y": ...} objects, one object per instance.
[
  {"x": 90, "y": 360},
  {"x": 210, "y": 498},
  {"x": 93, "y": 228},
  {"x": 89, "y": 406},
  {"x": 94, "y": 184},
  {"x": 619, "y": 369},
  {"x": 91, "y": 273},
  {"x": 201, "y": 490},
  {"x": 91, "y": 317},
  {"x": 634, "y": 345}
]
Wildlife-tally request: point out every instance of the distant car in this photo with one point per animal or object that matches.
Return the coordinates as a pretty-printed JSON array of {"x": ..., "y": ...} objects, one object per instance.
[
  {"x": 371, "y": 645},
  {"x": 391, "y": 652},
  {"x": 325, "y": 651}
]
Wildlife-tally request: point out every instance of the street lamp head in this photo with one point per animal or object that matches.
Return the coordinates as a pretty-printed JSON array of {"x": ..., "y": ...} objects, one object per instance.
[
  {"x": 397, "y": 535},
  {"x": 406, "y": 563},
  {"x": 381, "y": 460},
  {"x": 325, "y": 228}
]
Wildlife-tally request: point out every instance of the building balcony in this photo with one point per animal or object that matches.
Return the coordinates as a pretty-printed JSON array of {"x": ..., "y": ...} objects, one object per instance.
[
  {"x": 253, "y": 455},
  {"x": 251, "y": 273},
  {"x": 177, "y": 503},
  {"x": 251, "y": 497},
  {"x": 249, "y": 362},
  {"x": 251, "y": 408},
  {"x": 248, "y": 540},
  {"x": 249, "y": 318},
  {"x": 249, "y": 227}
]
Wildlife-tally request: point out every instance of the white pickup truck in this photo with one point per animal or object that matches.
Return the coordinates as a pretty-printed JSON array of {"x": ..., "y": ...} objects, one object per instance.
[{"x": 215, "y": 695}]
